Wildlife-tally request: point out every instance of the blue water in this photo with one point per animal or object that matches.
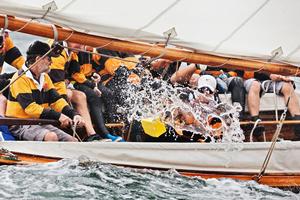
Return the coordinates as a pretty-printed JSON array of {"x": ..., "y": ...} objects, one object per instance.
[{"x": 72, "y": 179}]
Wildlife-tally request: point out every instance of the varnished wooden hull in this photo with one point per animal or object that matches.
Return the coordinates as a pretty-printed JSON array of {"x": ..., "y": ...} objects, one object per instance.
[{"x": 26, "y": 159}]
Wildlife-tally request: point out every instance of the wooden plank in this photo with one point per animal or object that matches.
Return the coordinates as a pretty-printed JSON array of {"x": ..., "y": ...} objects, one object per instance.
[
  {"x": 26, "y": 159},
  {"x": 45, "y": 30}
]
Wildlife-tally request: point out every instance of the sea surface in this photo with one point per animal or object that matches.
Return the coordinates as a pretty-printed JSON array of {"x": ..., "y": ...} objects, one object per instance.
[{"x": 74, "y": 179}]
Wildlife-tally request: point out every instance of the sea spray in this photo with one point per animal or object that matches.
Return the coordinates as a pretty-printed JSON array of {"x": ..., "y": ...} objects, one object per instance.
[{"x": 155, "y": 98}]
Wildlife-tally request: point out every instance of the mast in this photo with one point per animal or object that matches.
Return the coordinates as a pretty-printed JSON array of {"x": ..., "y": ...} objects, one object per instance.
[{"x": 45, "y": 30}]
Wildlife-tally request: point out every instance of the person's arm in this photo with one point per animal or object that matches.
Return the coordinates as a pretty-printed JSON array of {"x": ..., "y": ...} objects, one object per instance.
[
  {"x": 184, "y": 74},
  {"x": 76, "y": 74},
  {"x": 277, "y": 77},
  {"x": 13, "y": 55},
  {"x": 160, "y": 63},
  {"x": 56, "y": 102}
]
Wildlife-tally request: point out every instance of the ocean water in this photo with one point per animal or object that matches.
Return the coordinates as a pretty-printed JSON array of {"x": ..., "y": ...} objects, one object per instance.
[{"x": 73, "y": 179}]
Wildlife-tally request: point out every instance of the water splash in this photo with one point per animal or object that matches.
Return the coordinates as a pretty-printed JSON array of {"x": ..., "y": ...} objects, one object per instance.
[{"x": 154, "y": 98}]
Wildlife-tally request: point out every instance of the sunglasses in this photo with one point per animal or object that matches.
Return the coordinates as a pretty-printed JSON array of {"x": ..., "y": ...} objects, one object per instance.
[{"x": 205, "y": 90}]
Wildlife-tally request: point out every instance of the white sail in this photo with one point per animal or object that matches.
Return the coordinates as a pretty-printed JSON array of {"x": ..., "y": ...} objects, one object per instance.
[{"x": 248, "y": 29}]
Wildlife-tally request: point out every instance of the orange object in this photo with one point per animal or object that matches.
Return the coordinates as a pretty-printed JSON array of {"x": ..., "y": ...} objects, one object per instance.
[
  {"x": 133, "y": 78},
  {"x": 248, "y": 74},
  {"x": 232, "y": 73}
]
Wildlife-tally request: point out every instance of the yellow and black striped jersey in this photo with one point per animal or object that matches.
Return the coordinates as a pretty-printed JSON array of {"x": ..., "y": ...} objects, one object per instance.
[
  {"x": 81, "y": 68},
  {"x": 29, "y": 98},
  {"x": 58, "y": 71},
  {"x": 106, "y": 66},
  {"x": 11, "y": 54}
]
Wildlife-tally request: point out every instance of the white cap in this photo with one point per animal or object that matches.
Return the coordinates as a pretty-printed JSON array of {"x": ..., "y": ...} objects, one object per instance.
[
  {"x": 207, "y": 81},
  {"x": 6, "y": 30}
]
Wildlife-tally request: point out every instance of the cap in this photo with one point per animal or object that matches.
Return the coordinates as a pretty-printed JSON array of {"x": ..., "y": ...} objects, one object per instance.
[
  {"x": 39, "y": 48},
  {"x": 207, "y": 81}
]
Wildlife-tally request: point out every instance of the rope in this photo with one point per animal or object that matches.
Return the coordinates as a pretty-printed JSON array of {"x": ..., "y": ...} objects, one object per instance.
[
  {"x": 32, "y": 19},
  {"x": 221, "y": 65},
  {"x": 75, "y": 134},
  {"x": 45, "y": 14},
  {"x": 69, "y": 35},
  {"x": 274, "y": 140},
  {"x": 154, "y": 45},
  {"x": 254, "y": 127},
  {"x": 100, "y": 47},
  {"x": 157, "y": 57},
  {"x": 276, "y": 101}
]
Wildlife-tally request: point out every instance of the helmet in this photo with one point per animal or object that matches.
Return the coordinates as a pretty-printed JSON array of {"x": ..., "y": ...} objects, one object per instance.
[{"x": 207, "y": 81}]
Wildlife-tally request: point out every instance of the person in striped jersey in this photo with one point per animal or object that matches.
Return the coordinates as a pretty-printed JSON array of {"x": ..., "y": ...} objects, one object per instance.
[
  {"x": 33, "y": 96},
  {"x": 11, "y": 55}
]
